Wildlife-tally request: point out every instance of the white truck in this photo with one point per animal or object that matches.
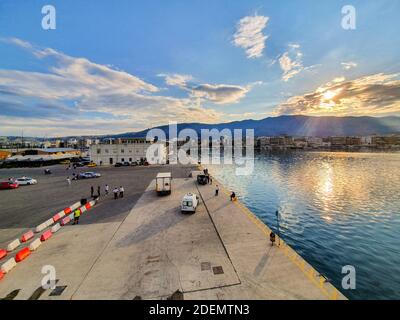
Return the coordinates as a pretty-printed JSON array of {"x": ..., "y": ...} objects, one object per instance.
[{"x": 164, "y": 183}]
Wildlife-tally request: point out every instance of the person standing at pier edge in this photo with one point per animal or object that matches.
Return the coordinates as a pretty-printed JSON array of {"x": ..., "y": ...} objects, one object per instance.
[
  {"x": 233, "y": 196},
  {"x": 107, "y": 188},
  {"x": 216, "y": 190},
  {"x": 121, "y": 191},
  {"x": 91, "y": 191},
  {"x": 115, "y": 191}
]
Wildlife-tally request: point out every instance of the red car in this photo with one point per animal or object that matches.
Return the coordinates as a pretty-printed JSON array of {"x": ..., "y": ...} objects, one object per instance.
[{"x": 8, "y": 185}]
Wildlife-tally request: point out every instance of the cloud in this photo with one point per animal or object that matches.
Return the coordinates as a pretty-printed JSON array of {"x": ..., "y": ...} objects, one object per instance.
[
  {"x": 77, "y": 90},
  {"x": 348, "y": 65},
  {"x": 377, "y": 94},
  {"x": 215, "y": 93},
  {"x": 179, "y": 80},
  {"x": 249, "y": 35},
  {"x": 291, "y": 62},
  {"x": 220, "y": 94}
]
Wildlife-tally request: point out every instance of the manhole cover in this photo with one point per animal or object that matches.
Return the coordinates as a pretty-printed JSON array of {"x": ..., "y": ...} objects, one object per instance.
[
  {"x": 218, "y": 270},
  {"x": 205, "y": 266},
  {"x": 58, "y": 291}
]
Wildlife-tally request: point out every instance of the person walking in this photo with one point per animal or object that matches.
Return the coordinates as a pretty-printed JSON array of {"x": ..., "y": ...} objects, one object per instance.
[
  {"x": 68, "y": 181},
  {"x": 98, "y": 191},
  {"x": 216, "y": 190},
  {"x": 121, "y": 191},
  {"x": 91, "y": 191},
  {"x": 107, "y": 188},
  {"x": 115, "y": 191},
  {"x": 233, "y": 196},
  {"x": 210, "y": 180},
  {"x": 77, "y": 215}
]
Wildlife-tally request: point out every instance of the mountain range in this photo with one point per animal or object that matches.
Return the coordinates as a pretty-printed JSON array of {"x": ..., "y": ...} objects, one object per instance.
[{"x": 296, "y": 125}]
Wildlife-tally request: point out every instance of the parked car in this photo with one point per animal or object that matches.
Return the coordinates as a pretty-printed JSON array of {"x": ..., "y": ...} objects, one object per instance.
[
  {"x": 92, "y": 165},
  {"x": 79, "y": 164},
  {"x": 25, "y": 181},
  {"x": 118, "y": 164},
  {"x": 8, "y": 185},
  {"x": 189, "y": 203},
  {"x": 87, "y": 175},
  {"x": 65, "y": 162},
  {"x": 202, "y": 179},
  {"x": 126, "y": 164}
]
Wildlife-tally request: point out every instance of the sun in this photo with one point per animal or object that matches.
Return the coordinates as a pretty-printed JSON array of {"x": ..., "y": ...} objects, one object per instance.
[{"x": 328, "y": 95}]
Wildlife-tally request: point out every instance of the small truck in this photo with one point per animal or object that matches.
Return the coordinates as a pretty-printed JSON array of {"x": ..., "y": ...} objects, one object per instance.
[{"x": 164, "y": 183}]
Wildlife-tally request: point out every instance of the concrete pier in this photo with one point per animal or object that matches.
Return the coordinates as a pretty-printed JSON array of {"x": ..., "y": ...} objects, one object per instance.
[{"x": 220, "y": 252}]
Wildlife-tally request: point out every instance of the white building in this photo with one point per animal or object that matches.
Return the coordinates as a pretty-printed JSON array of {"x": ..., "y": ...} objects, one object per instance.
[{"x": 120, "y": 150}]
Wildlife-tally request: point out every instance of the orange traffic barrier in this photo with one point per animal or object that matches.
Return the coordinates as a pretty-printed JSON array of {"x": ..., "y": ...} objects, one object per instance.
[
  {"x": 88, "y": 206},
  {"x": 22, "y": 254},
  {"x": 65, "y": 221},
  {"x": 1, "y": 275},
  {"x": 3, "y": 253},
  {"x": 67, "y": 210},
  {"x": 46, "y": 235},
  {"x": 27, "y": 236},
  {"x": 56, "y": 217}
]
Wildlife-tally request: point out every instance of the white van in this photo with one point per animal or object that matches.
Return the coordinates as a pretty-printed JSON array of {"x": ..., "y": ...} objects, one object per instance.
[
  {"x": 163, "y": 183},
  {"x": 189, "y": 203}
]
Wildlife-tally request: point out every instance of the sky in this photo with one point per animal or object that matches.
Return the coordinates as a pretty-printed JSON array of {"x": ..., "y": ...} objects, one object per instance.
[{"x": 122, "y": 66}]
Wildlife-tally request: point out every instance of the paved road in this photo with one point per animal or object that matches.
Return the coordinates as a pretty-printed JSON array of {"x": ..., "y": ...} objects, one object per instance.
[{"x": 26, "y": 207}]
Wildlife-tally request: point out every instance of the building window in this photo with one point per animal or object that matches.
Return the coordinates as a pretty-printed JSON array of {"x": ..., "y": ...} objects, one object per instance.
[
  {"x": 98, "y": 151},
  {"x": 122, "y": 151},
  {"x": 130, "y": 159},
  {"x": 111, "y": 160},
  {"x": 122, "y": 160},
  {"x": 106, "y": 150}
]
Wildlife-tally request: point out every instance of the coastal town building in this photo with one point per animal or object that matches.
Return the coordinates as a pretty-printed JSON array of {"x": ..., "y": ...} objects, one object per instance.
[{"x": 122, "y": 150}]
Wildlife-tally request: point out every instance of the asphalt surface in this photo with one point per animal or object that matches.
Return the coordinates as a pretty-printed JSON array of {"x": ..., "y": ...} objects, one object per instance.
[{"x": 24, "y": 208}]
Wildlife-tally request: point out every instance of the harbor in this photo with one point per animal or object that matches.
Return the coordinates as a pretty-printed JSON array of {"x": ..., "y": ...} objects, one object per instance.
[{"x": 143, "y": 247}]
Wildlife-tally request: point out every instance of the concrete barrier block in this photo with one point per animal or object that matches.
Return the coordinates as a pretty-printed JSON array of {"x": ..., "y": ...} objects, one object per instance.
[
  {"x": 8, "y": 265},
  {"x": 65, "y": 221},
  {"x": 27, "y": 236},
  {"x": 35, "y": 244},
  {"x": 55, "y": 228},
  {"x": 22, "y": 254},
  {"x": 61, "y": 214},
  {"x": 49, "y": 222},
  {"x": 75, "y": 205},
  {"x": 12, "y": 245},
  {"x": 41, "y": 227},
  {"x": 83, "y": 209}
]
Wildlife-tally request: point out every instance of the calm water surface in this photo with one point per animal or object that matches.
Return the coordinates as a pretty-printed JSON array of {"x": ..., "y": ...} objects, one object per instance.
[{"x": 336, "y": 209}]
